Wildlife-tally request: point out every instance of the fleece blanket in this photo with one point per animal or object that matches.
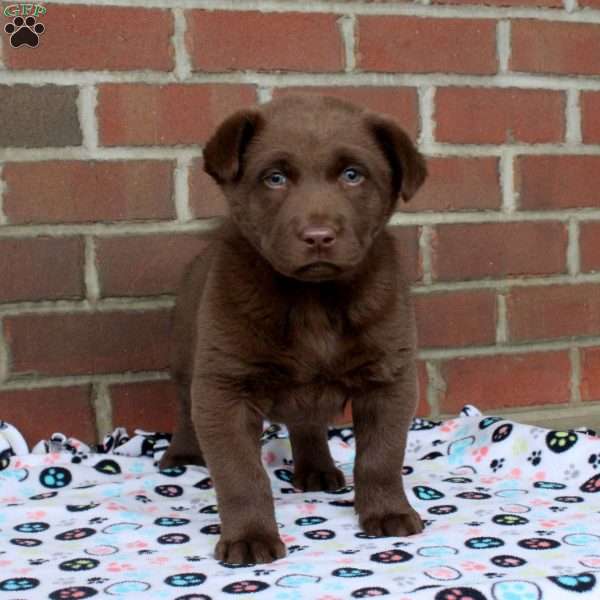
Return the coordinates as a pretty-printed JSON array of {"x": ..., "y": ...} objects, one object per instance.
[{"x": 511, "y": 513}]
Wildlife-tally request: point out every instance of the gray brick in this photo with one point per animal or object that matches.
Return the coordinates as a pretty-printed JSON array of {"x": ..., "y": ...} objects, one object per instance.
[{"x": 35, "y": 117}]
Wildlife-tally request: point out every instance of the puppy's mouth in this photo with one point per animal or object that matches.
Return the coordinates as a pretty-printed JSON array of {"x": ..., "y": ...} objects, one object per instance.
[{"x": 317, "y": 271}]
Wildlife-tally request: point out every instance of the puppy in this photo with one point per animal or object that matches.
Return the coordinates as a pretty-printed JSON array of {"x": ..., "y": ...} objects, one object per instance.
[{"x": 298, "y": 306}]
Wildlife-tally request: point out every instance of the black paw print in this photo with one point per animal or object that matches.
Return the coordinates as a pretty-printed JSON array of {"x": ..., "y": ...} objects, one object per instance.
[
  {"x": 24, "y": 32},
  {"x": 535, "y": 458},
  {"x": 594, "y": 460},
  {"x": 497, "y": 464}
]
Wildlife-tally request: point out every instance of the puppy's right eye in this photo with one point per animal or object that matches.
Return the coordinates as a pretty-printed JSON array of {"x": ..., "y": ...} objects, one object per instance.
[{"x": 275, "y": 180}]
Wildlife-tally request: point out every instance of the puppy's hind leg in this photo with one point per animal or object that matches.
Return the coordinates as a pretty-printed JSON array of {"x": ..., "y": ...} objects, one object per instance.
[{"x": 184, "y": 448}]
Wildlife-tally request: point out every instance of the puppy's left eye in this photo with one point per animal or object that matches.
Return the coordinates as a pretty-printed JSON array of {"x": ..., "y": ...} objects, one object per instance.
[{"x": 352, "y": 176}]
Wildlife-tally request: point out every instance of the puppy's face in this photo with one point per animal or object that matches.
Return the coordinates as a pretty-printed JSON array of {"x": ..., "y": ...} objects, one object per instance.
[{"x": 311, "y": 181}]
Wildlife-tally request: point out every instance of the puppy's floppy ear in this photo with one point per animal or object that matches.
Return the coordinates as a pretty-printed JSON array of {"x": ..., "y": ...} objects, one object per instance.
[
  {"x": 223, "y": 154},
  {"x": 407, "y": 164}
]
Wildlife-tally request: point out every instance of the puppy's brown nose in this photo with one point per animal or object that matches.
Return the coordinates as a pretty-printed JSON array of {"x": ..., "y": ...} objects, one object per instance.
[{"x": 318, "y": 236}]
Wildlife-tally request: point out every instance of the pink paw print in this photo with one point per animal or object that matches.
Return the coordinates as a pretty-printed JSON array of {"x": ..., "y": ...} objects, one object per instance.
[{"x": 480, "y": 453}]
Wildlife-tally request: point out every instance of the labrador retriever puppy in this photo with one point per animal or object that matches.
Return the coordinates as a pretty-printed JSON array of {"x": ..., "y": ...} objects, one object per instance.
[{"x": 298, "y": 306}]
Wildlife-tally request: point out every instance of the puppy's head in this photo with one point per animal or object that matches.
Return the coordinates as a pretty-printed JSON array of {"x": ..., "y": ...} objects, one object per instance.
[{"x": 312, "y": 180}]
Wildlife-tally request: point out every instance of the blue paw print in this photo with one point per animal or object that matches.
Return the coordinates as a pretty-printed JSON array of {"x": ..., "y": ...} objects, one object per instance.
[
  {"x": 55, "y": 477},
  {"x": 185, "y": 579},
  {"x": 36, "y": 527},
  {"x": 17, "y": 584},
  {"x": 517, "y": 590},
  {"x": 422, "y": 492},
  {"x": 481, "y": 543},
  {"x": 351, "y": 572},
  {"x": 171, "y": 521}
]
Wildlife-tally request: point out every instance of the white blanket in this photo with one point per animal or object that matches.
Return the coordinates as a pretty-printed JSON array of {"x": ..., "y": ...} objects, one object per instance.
[{"x": 511, "y": 512}]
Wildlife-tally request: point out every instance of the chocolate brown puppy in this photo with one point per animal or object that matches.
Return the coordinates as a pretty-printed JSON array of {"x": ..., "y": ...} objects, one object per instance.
[{"x": 298, "y": 306}]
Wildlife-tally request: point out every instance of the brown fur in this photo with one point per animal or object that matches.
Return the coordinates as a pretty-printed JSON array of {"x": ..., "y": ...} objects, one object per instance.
[{"x": 259, "y": 334}]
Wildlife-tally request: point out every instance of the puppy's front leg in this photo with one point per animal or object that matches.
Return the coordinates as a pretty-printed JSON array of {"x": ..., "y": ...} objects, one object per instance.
[
  {"x": 382, "y": 417},
  {"x": 229, "y": 434}
]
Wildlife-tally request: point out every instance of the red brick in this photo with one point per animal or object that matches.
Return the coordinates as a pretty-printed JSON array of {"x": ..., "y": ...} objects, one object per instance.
[
  {"x": 206, "y": 197},
  {"x": 589, "y": 3},
  {"x": 554, "y": 311},
  {"x": 590, "y": 123},
  {"x": 143, "y": 114},
  {"x": 98, "y": 38},
  {"x": 151, "y": 406},
  {"x": 458, "y": 183},
  {"x": 407, "y": 247},
  {"x": 589, "y": 239},
  {"x": 590, "y": 373},
  {"x": 405, "y": 45},
  {"x": 555, "y": 182},
  {"x": 553, "y": 47},
  {"x": 226, "y": 41},
  {"x": 477, "y": 251},
  {"x": 87, "y": 343},
  {"x": 506, "y": 381},
  {"x": 499, "y": 115},
  {"x": 400, "y": 103},
  {"x": 144, "y": 265},
  {"x": 455, "y": 319},
  {"x": 29, "y": 269},
  {"x": 39, "y": 413},
  {"x": 84, "y": 191}
]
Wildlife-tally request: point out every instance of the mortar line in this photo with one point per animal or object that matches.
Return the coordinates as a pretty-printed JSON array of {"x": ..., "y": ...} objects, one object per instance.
[
  {"x": 356, "y": 7},
  {"x": 86, "y": 106},
  {"x": 29, "y": 382},
  {"x": 427, "y": 123},
  {"x": 264, "y": 94},
  {"x": 183, "y": 65},
  {"x": 3, "y": 187},
  {"x": 573, "y": 257},
  {"x": 575, "y": 382},
  {"x": 347, "y": 25},
  {"x": 91, "y": 275},
  {"x": 507, "y": 181},
  {"x": 286, "y": 79},
  {"x": 182, "y": 191},
  {"x": 426, "y": 252},
  {"x": 503, "y": 48},
  {"x": 102, "y": 410},
  {"x": 4, "y": 357},
  {"x": 570, "y": 5},
  {"x": 436, "y": 386},
  {"x": 573, "y": 117},
  {"x": 501, "y": 319}
]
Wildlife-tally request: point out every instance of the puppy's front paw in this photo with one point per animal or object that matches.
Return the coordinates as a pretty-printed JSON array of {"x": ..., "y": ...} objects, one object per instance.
[
  {"x": 400, "y": 524},
  {"x": 315, "y": 480},
  {"x": 250, "y": 550}
]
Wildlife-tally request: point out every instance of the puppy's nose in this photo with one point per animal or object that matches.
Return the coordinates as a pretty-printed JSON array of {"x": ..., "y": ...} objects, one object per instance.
[{"x": 318, "y": 236}]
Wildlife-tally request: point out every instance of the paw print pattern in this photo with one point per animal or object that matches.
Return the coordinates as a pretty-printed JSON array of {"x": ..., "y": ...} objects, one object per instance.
[
  {"x": 442, "y": 509},
  {"x": 169, "y": 491},
  {"x": 391, "y": 556},
  {"x": 523, "y": 590},
  {"x": 320, "y": 534},
  {"x": 36, "y": 527},
  {"x": 171, "y": 522},
  {"x": 571, "y": 473},
  {"x": 460, "y": 593},
  {"x": 507, "y": 561},
  {"x": 55, "y": 477},
  {"x": 535, "y": 458},
  {"x": 502, "y": 432},
  {"x": 185, "y": 579},
  {"x": 25, "y": 542},
  {"x": 483, "y": 543},
  {"x": 24, "y": 32},
  {"x": 173, "y": 538},
  {"x": 73, "y": 593},
  {"x": 594, "y": 460},
  {"x": 18, "y": 584},
  {"x": 561, "y": 441},
  {"x": 509, "y": 520},
  {"x": 423, "y": 492},
  {"x": 75, "y": 534},
  {"x": 584, "y": 582},
  {"x": 247, "y": 586},
  {"x": 351, "y": 572},
  {"x": 310, "y": 520},
  {"x": 79, "y": 564},
  {"x": 497, "y": 464},
  {"x": 369, "y": 592},
  {"x": 538, "y": 544}
]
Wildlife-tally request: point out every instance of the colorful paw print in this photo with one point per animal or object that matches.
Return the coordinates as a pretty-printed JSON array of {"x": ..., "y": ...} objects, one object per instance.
[
  {"x": 18, "y": 584},
  {"x": 351, "y": 572},
  {"x": 483, "y": 543},
  {"x": 36, "y": 527},
  {"x": 423, "y": 492},
  {"x": 320, "y": 534},
  {"x": 247, "y": 586},
  {"x": 185, "y": 579},
  {"x": 171, "y": 522},
  {"x": 561, "y": 441},
  {"x": 55, "y": 477},
  {"x": 523, "y": 590},
  {"x": 509, "y": 520},
  {"x": 538, "y": 544}
]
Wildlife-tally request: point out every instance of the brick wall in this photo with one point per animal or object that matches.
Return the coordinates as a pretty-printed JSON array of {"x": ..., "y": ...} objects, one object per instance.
[{"x": 103, "y": 198}]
